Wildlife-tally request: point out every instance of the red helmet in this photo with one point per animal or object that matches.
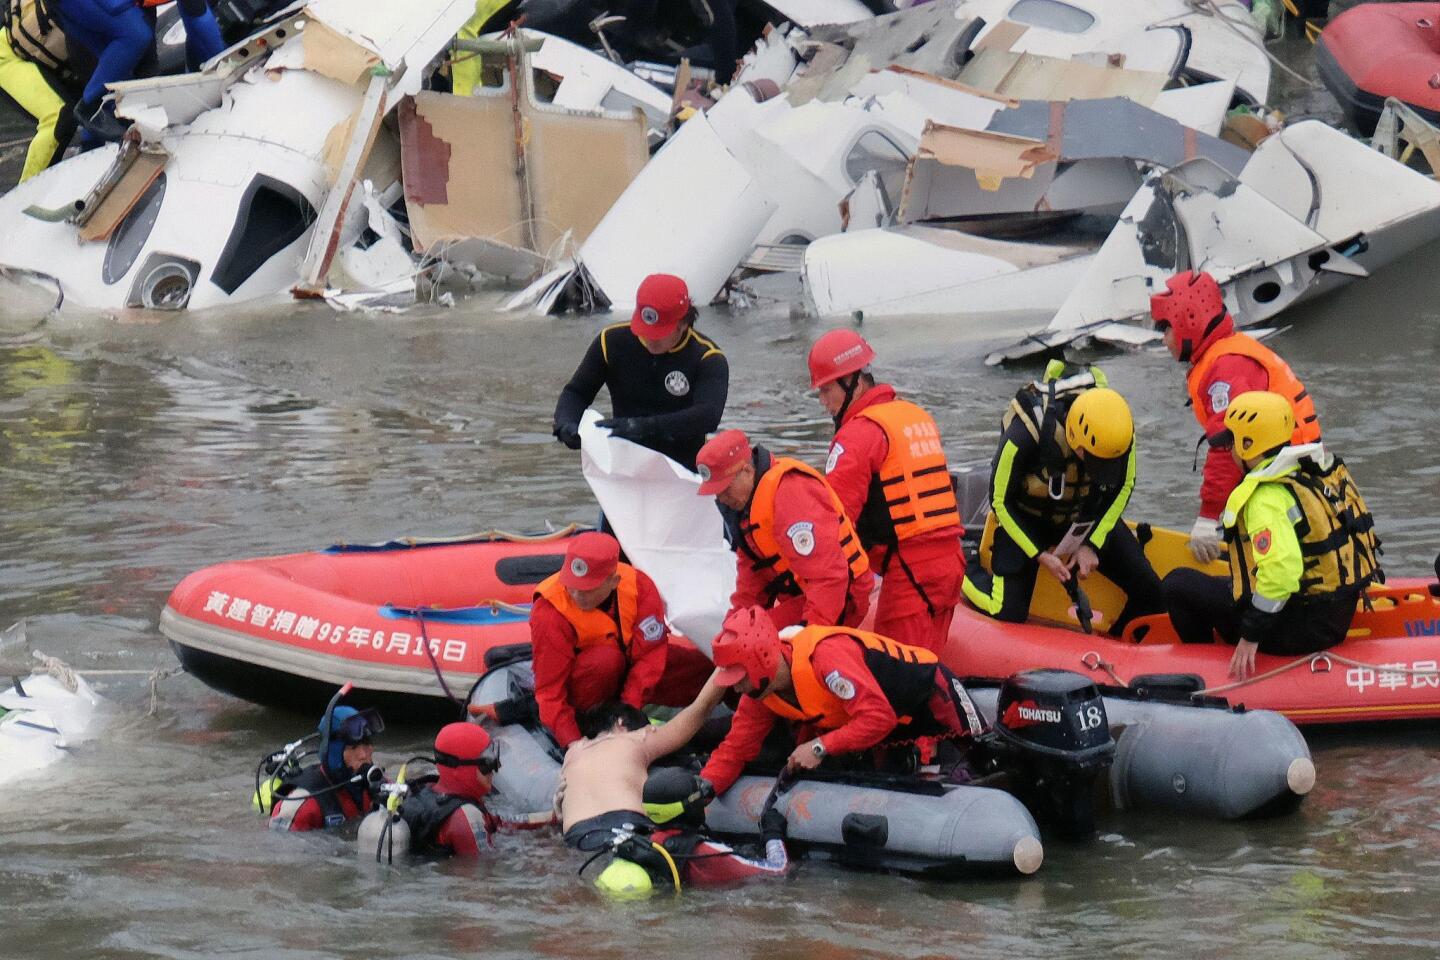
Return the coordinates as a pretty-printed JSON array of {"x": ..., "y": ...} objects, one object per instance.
[
  {"x": 1193, "y": 305},
  {"x": 459, "y": 747},
  {"x": 748, "y": 646},
  {"x": 836, "y": 354}
]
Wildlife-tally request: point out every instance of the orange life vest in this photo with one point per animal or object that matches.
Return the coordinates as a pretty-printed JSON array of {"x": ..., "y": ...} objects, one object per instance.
[
  {"x": 911, "y": 493},
  {"x": 906, "y": 674},
  {"x": 594, "y": 628},
  {"x": 1282, "y": 380},
  {"x": 760, "y": 527}
]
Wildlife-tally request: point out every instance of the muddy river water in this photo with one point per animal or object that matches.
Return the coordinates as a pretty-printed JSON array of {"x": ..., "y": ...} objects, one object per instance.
[
  {"x": 132, "y": 453},
  {"x": 135, "y": 452}
]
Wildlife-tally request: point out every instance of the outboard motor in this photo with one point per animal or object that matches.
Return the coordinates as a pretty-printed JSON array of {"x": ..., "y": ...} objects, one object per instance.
[{"x": 1055, "y": 740}]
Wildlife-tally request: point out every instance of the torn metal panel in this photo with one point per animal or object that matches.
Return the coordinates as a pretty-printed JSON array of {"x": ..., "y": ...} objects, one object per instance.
[
  {"x": 706, "y": 218},
  {"x": 1201, "y": 107},
  {"x": 812, "y": 13},
  {"x": 591, "y": 82},
  {"x": 1115, "y": 127},
  {"x": 397, "y": 33},
  {"x": 1027, "y": 76},
  {"x": 332, "y": 54},
  {"x": 931, "y": 38},
  {"x": 325, "y": 238},
  {"x": 105, "y": 213},
  {"x": 1360, "y": 189},
  {"x": 469, "y": 175},
  {"x": 489, "y": 258},
  {"x": 913, "y": 270}
]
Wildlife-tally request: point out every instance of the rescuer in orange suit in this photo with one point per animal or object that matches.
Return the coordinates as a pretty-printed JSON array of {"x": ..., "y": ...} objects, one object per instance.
[
  {"x": 598, "y": 633},
  {"x": 799, "y": 555},
  {"x": 1223, "y": 364},
  {"x": 887, "y": 466}
]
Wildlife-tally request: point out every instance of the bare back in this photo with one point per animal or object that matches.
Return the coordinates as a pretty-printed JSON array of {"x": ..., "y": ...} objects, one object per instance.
[{"x": 604, "y": 775}]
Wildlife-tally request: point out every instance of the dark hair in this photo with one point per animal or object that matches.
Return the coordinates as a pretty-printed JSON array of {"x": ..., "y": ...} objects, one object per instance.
[{"x": 598, "y": 720}]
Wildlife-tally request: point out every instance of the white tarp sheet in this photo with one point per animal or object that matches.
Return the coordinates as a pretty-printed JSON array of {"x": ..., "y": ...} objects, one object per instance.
[{"x": 666, "y": 529}]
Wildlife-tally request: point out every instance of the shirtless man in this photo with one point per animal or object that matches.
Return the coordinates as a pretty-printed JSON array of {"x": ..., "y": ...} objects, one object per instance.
[{"x": 601, "y": 798}]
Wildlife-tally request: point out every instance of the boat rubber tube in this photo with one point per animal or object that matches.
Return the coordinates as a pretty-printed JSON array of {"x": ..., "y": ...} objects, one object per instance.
[
  {"x": 1200, "y": 760},
  {"x": 929, "y": 829}
]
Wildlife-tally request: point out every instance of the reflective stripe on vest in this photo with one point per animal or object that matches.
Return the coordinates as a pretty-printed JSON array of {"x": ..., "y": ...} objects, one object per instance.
[
  {"x": 1055, "y": 493},
  {"x": 914, "y": 480},
  {"x": 1335, "y": 530},
  {"x": 594, "y": 628},
  {"x": 1280, "y": 378},
  {"x": 759, "y": 527},
  {"x": 897, "y": 667}
]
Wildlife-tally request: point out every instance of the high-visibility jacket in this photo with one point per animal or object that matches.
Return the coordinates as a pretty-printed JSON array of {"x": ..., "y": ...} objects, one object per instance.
[
  {"x": 596, "y": 627},
  {"x": 911, "y": 494},
  {"x": 1282, "y": 380},
  {"x": 759, "y": 527},
  {"x": 906, "y": 675},
  {"x": 1334, "y": 544}
]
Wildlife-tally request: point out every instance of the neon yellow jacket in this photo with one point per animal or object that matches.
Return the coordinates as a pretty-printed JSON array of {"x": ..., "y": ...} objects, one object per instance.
[
  {"x": 26, "y": 85},
  {"x": 1266, "y": 556}
]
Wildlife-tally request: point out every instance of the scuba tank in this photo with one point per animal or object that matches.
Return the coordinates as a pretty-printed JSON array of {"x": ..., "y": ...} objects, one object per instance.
[
  {"x": 383, "y": 829},
  {"x": 1054, "y": 741}
]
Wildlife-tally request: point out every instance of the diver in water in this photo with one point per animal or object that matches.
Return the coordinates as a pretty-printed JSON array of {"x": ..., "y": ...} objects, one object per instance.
[
  {"x": 447, "y": 815},
  {"x": 602, "y": 804},
  {"x": 341, "y": 787}
]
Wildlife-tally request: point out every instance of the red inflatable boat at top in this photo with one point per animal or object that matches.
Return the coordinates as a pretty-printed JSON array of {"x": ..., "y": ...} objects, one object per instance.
[
  {"x": 396, "y": 618},
  {"x": 1379, "y": 50}
]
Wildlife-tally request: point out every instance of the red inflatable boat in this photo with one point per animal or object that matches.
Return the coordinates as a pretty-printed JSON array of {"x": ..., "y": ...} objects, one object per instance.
[
  {"x": 395, "y": 618},
  {"x": 391, "y": 618},
  {"x": 1378, "y": 50}
]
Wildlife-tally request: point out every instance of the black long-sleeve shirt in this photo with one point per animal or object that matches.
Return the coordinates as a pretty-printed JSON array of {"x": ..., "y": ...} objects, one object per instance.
[{"x": 679, "y": 394}]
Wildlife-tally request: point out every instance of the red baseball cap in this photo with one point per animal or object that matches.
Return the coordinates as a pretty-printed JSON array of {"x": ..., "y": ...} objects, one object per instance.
[
  {"x": 720, "y": 459},
  {"x": 590, "y": 560},
  {"x": 661, "y": 303}
]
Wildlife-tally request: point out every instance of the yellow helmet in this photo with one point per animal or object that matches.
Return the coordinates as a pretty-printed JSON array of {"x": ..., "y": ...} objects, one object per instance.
[
  {"x": 1259, "y": 421},
  {"x": 1099, "y": 423},
  {"x": 624, "y": 880}
]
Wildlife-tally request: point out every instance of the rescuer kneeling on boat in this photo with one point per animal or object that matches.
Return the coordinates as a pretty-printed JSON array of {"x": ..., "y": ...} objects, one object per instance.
[
  {"x": 447, "y": 815},
  {"x": 341, "y": 787},
  {"x": 848, "y": 691},
  {"x": 667, "y": 383},
  {"x": 598, "y": 632},
  {"x": 1302, "y": 545},
  {"x": 888, "y": 468},
  {"x": 1223, "y": 364},
  {"x": 602, "y": 806},
  {"x": 1059, "y": 486},
  {"x": 799, "y": 555}
]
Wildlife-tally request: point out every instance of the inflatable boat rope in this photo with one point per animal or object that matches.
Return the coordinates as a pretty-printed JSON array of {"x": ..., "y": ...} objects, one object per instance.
[
  {"x": 483, "y": 535},
  {"x": 1093, "y": 661}
]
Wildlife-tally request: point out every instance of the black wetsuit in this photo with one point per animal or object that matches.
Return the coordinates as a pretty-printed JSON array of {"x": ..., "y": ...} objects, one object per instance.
[{"x": 677, "y": 398}]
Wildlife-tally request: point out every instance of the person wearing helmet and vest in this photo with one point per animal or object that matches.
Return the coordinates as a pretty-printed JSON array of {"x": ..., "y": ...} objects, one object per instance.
[
  {"x": 845, "y": 690},
  {"x": 667, "y": 383},
  {"x": 340, "y": 788},
  {"x": 1302, "y": 550},
  {"x": 1059, "y": 486},
  {"x": 799, "y": 555},
  {"x": 887, "y": 466},
  {"x": 1223, "y": 363},
  {"x": 598, "y": 633},
  {"x": 601, "y": 799},
  {"x": 447, "y": 814}
]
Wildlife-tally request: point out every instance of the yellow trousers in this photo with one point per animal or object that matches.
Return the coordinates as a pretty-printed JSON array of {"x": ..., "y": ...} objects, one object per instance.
[
  {"x": 24, "y": 83},
  {"x": 465, "y": 71}
]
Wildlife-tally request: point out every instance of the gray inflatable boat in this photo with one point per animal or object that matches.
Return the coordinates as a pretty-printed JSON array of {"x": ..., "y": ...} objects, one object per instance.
[
  {"x": 927, "y": 828},
  {"x": 1202, "y": 759}
]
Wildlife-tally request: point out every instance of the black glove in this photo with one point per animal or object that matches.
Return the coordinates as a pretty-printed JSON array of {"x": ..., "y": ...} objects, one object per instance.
[
  {"x": 773, "y": 825},
  {"x": 626, "y": 428},
  {"x": 568, "y": 434}
]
